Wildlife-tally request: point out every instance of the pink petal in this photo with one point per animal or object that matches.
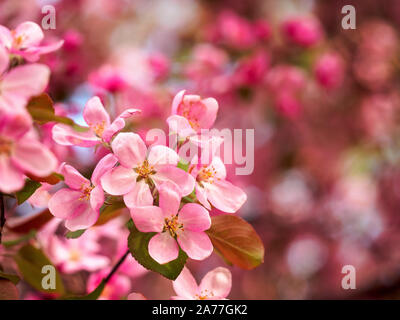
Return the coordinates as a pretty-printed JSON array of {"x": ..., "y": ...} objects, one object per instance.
[
  {"x": 33, "y": 53},
  {"x": 95, "y": 114},
  {"x": 5, "y": 37},
  {"x": 139, "y": 196},
  {"x": 182, "y": 179},
  {"x": 14, "y": 125},
  {"x": 194, "y": 217},
  {"x": 83, "y": 220},
  {"x": 163, "y": 248},
  {"x": 65, "y": 203},
  {"x": 225, "y": 196},
  {"x": 170, "y": 198},
  {"x": 177, "y": 100},
  {"x": 161, "y": 155},
  {"x": 118, "y": 181},
  {"x": 181, "y": 126},
  {"x": 218, "y": 167},
  {"x": 73, "y": 178},
  {"x": 103, "y": 166},
  {"x": 148, "y": 219},
  {"x": 93, "y": 262},
  {"x": 218, "y": 281},
  {"x": 96, "y": 198},
  {"x": 30, "y": 33},
  {"x": 4, "y": 59},
  {"x": 201, "y": 195},
  {"x": 185, "y": 285},
  {"x": 11, "y": 179},
  {"x": 119, "y": 123},
  {"x": 129, "y": 113},
  {"x": 66, "y": 136},
  {"x": 26, "y": 81},
  {"x": 34, "y": 157},
  {"x": 136, "y": 296},
  {"x": 208, "y": 118},
  {"x": 197, "y": 245},
  {"x": 129, "y": 149}
]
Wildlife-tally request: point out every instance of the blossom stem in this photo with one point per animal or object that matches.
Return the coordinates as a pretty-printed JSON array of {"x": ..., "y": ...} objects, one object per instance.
[{"x": 120, "y": 261}]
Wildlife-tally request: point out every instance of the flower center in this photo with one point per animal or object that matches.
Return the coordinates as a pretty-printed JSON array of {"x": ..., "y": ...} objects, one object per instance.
[
  {"x": 204, "y": 295},
  {"x": 86, "y": 190},
  {"x": 74, "y": 255},
  {"x": 99, "y": 128},
  {"x": 207, "y": 174},
  {"x": 172, "y": 225},
  {"x": 145, "y": 170},
  {"x": 187, "y": 112},
  {"x": 17, "y": 41},
  {"x": 5, "y": 146}
]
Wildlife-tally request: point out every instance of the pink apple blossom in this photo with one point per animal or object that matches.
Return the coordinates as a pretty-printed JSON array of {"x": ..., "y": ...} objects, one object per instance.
[
  {"x": 329, "y": 70},
  {"x": 215, "y": 285},
  {"x": 79, "y": 204},
  {"x": 140, "y": 166},
  {"x": 211, "y": 187},
  {"x": 21, "y": 152},
  {"x": 304, "y": 31},
  {"x": 72, "y": 255},
  {"x": 25, "y": 41},
  {"x": 100, "y": 128},
  {"x": 201, "y": 113},
  {"x": 18, "y": 85},
  {"x": 173, "y": 226}
]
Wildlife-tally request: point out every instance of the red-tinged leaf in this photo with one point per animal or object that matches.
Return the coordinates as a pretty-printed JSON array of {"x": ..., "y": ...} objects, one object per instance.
[
  {"x": 8, "y": 290},
  {"x": 26, "y": 224},
  {"x": 54, "y": 178},
  {"x": 236, "y": 241},
  {"x": 41, "y": 109},
  {"x": 110, "y": 212}
]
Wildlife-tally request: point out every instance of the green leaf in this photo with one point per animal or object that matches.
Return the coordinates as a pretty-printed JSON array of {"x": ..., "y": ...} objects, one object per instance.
[
  {"x": 94, "y": 295},
  {"x": 12, "y": 277},
  {"x": 74, "y": 234},
  {"x": 24, "y": 238},
  {"x": 138, "y": 243},
  {"x": 236, "y": 241},
  {"x": 183, "y": 165},
  {"x": 30, "y": 261},
  {"x": 29, "y": 188}
]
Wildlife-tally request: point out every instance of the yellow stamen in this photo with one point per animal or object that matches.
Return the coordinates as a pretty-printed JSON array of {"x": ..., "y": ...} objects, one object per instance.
[
  {"x": 172, "y": 225},
  {"x": 145, "y": 170},
  {"x": 207, "y": 174},
  {"x": 74, "y": 255},
  {"x": 86, "y": 190},
  {"x": 5, "y": 146},
  {"x": 204, "y": 295},
  {"x": 99, "y": 128}
]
